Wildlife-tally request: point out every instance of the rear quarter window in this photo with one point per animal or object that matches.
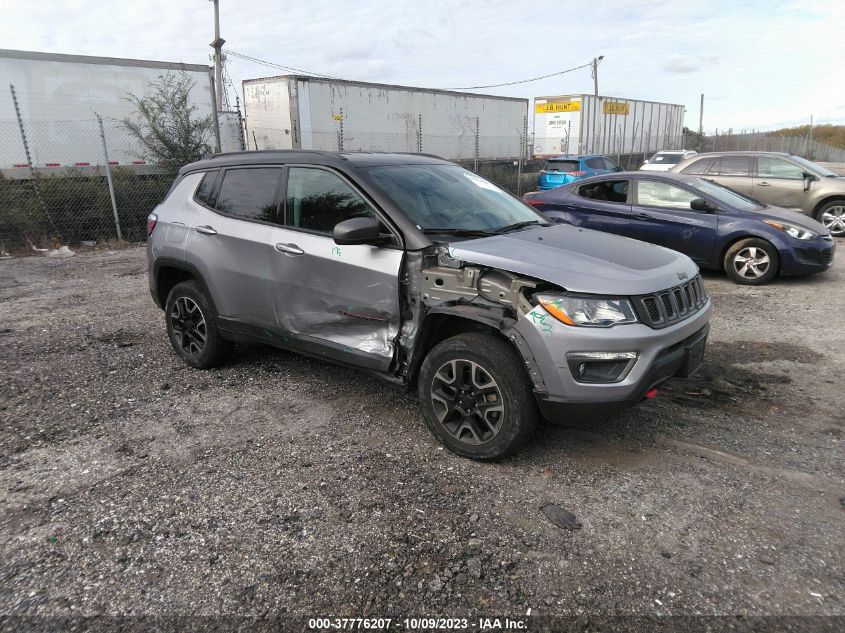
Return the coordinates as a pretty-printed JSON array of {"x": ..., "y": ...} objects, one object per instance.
[{"x": 203, "y": 193}]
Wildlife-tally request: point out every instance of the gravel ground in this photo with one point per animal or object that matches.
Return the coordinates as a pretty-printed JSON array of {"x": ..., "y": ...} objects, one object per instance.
[{"x": 134, "y": 485}]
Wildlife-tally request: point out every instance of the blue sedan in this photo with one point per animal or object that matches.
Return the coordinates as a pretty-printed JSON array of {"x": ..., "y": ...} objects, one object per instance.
[
  {"x": 561, "y": 170},
  {"x": 715, "y": 226}
]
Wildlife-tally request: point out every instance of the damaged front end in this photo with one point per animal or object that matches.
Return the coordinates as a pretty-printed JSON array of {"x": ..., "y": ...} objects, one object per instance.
[{"x": 436, "y": 286}]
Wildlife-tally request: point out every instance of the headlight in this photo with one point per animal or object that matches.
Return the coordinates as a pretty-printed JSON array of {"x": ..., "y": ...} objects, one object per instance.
[
  {"x": 588, "y": 311},
  {"x": 790, "y": 229}
]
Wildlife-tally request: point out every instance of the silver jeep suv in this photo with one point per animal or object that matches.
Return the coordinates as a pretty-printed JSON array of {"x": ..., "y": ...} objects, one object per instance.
[{"x": 428, "y": 276}]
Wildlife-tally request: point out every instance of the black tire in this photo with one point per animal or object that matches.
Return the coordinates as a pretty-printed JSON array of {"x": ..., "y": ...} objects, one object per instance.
[
  {"x": 832, "y": 215},
  {"x": 751, "y": 262},
  {"x": 187, "y": 303},
  {"x": 507, "y": 426}
]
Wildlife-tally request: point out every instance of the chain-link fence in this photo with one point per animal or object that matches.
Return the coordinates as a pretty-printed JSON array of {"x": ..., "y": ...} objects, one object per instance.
[
  {"x": 80, "y": 182},
  {"x": 765, "y": 142}
]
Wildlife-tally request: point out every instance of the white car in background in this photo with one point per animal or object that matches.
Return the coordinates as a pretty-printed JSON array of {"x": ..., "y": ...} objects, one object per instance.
[{"x": 665, "y": 160}]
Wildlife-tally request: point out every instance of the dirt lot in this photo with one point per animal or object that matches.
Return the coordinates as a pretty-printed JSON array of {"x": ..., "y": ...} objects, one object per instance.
[{"x": 134, "y": 485}]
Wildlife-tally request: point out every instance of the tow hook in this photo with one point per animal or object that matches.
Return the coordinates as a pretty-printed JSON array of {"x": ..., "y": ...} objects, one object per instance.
[{"x": 651, "y": 393}]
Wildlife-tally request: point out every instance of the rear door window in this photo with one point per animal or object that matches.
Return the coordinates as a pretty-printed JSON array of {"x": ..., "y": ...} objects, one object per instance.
[
  {"x": 562, "y": 165},
  {"x": 318, "y": 199},
  {"x": 653, "y": 193},
  {"x": 605, "y": 191},
  {"x": 250, "y": 193},
  {"x": 698, "y": 167},
  {"x": 732, "y": 166}
]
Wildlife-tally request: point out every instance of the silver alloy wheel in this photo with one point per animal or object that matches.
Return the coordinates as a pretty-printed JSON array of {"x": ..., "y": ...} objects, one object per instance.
[
  {"x": 833, "y": 219},
  {"x": 188, "y": 324},
  {"x": 467, "y": 401},
  {"x": 751, "y": 262}
]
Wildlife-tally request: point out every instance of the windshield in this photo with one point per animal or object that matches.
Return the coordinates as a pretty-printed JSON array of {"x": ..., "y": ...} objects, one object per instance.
[
  {"x": 666, "y": 159},
  {"x": 728, "y": 197},
  {"x": 814, "y": 167},
  {"x": 450, "y": 197}
]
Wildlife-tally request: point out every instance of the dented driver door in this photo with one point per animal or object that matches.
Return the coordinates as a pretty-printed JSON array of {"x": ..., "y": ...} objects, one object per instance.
[{"x": 341, "y": 302}]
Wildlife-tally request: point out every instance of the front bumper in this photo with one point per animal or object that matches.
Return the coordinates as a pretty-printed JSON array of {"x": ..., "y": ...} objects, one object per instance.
[
  {"x": 661, "y": 355},
  {"x": 813, "y": 257}
]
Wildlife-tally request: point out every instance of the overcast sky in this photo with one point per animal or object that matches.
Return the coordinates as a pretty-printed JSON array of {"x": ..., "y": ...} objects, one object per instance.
[{"x": 760, "y": 64}]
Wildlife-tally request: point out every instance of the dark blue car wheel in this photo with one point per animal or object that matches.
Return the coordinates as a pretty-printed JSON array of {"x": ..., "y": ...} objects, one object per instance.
[{"x": 752, "y": 262}]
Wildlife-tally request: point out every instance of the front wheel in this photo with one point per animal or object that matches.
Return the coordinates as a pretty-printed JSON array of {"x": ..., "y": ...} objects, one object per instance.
[
  {"x": 832, "y": 215},
  {"x": 476, "y": 397},
  {"x": 752, "y": 262}
]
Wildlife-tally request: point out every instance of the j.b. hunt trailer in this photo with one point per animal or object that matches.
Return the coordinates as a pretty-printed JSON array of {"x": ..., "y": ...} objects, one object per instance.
[{"x": 586, "y": 124}]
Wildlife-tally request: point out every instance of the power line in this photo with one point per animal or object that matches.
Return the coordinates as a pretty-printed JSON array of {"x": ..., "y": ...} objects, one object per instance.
[
  {"x": 525, "y": 81},
  {"x": 274, "y": 65}
]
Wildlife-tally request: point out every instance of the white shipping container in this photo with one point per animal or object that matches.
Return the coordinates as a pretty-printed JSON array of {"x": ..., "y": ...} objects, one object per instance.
[
  {"x": 586, "y": 124},
  {"x": 59, "y": 97},
  {"x": 299, "y": 112}
]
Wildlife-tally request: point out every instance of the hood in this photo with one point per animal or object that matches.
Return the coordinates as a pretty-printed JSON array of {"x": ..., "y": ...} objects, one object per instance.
[
  {"x": 793, "y": 217},
  {"x": 580, "y": 260}
]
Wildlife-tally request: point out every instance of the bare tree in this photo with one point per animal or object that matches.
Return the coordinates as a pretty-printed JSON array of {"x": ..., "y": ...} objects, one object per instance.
[{"x": 165, "y": 124}]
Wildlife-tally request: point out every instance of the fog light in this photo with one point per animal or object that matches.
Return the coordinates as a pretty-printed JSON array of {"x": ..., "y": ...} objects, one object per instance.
[{"x": 600, "y": 366}]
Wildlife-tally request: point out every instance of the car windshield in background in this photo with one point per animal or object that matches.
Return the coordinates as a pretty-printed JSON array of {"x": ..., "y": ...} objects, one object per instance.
[
  {"x": 811, "y": 166},
  {"x": 666, "y": 159},
  {"x": 562, "y": 165},
  {"x": 451, "y": 198},
  {"x": 728, "y": 197}
]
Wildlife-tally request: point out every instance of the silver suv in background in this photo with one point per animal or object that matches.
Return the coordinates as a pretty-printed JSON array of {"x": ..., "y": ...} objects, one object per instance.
[
  {"x": 778, "y": 179},
  {"x": 426, "y": 275}
]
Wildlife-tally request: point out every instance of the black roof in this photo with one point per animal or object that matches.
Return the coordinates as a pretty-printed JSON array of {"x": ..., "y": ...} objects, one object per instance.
[{"x": 337, "y": 159}]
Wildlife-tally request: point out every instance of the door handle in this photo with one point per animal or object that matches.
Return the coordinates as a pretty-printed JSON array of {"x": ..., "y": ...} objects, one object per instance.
[
  {"x": 763, "y": 184},
  {"x": 289, "y": 249},
  {"x": 642, "y": 216},
  {"x": 206, "y": 230}
]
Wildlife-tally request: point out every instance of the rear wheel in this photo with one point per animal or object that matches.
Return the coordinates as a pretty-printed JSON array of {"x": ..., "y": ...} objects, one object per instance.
[
  {"x": 832, "y": 215},
  {"x": 476, "y": 396},
  {"x": 191, "y": 326},
  {"x": 752, "y": 262}
]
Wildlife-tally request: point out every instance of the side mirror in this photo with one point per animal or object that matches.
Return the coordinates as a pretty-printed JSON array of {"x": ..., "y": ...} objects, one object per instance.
[
  {"x": 808, "y": 179},
  {"x": 701, "y": 205},
  {"x": 619, "y": 168},
  {"x": 358, "y": 231}
]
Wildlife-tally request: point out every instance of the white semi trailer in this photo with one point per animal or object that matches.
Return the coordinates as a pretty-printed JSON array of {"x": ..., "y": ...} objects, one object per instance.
[
  {"x": 586, "y": 124},
  {"x": 300, "y": 112},
  {"x": 59, "y": 97}
]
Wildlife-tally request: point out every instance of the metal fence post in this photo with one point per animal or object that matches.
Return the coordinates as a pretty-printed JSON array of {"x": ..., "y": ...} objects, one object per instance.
[
  {"x": 108, "y": 178},
  {"x": 419, "y": 135},
  {"x": 475, "y": 163},
  {"x": 33, "y": 176},
  {"x": 340, "y": 133}
]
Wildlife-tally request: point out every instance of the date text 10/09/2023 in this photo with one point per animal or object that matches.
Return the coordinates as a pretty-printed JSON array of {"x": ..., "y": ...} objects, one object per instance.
[{"x": 418, "y": 624}]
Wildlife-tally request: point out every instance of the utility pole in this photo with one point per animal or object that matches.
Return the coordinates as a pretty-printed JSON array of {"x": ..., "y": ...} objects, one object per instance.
[
  {"x": 701, "y": 124},
  {"x": 217, "y": 45},
  {"x": 596, "y": 61}
]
